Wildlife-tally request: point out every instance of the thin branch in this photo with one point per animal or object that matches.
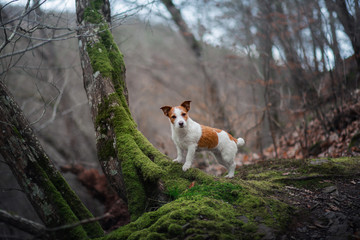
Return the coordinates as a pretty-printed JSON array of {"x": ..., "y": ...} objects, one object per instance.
[
  {"x": 38, "y": 229},
  {"x": 55, "y": 108},
  {"x": 7, "y": 4},
  {"x": 10, "y": 189},
  {"x": 24, "y": 13},
  {"x": 21, "y": 223},
  {"x": 89, "y": 220},
  {"x": 8, "y": 40},
  {"x": 58, "y": 38}
]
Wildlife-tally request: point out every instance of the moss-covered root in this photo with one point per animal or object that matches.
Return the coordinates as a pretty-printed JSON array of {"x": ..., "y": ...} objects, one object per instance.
[{"x": 203, "y": 218}]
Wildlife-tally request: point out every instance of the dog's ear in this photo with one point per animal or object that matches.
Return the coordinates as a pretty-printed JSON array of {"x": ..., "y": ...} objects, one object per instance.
[
  {"x": 186, "y": 105},
  {"x": 166, "y": 110}
]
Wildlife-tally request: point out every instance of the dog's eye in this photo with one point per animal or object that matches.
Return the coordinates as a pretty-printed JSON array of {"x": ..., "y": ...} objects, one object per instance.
[
  {"x": 173, "y": 117},
  {"x": 184, "y": 114}
]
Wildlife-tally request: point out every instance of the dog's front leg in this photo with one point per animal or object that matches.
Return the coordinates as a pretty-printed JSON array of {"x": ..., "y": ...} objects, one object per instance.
[
  {"x": 179, "y": 157},
  {"x": 189, "y": 157}
]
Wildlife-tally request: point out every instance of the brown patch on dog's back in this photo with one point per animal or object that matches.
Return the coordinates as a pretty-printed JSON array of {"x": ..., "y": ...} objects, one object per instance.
[
  {"x": 209, "y": 138},
  {"x": 232, "y": 138}
]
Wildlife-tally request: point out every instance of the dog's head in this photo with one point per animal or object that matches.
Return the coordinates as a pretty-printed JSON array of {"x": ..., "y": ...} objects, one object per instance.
[{"x": 178, "y": 115}]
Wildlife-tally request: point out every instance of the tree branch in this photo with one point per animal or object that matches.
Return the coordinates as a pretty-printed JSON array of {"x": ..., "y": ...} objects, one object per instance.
[
  {"x": 84, "y": 221},
  {"x": 38, "y": 229},
  {"x": 8, "y": 40},
  {"x": 21, "y": 223}
]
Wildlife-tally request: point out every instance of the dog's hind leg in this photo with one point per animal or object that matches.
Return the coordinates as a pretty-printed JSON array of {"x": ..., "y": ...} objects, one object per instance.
[
  {"x": 231, "y": 170},
  {"x": 227, "y": 160}
]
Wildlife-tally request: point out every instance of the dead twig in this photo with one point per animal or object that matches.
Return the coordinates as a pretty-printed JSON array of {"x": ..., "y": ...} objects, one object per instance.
[{"x": 38, "y": 229}]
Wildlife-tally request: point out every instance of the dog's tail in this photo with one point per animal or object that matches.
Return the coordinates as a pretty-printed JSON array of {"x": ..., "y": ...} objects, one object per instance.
[{"x": 240, "y": 142}]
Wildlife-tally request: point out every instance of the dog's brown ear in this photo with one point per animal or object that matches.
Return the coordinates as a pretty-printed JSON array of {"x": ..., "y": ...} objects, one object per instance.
[
  {"x": 186, "y": 105},
  {"x": 166, "y": 110}
]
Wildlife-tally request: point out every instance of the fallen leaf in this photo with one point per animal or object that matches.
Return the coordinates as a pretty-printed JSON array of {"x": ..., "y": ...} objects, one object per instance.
[
  {"x": 334, "y": 208},
  {"x": 192, "y": 184}
]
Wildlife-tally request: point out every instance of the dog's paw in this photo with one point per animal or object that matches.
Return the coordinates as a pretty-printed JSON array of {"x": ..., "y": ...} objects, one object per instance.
[
  {"x": 229, "y": 176},
  {"x": 186, "y": 167},
  {"x": 179, "y": 160}
]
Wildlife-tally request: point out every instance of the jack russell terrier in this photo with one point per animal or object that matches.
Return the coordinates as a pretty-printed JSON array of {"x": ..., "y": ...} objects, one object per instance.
[{"x": 190, "y": 136}]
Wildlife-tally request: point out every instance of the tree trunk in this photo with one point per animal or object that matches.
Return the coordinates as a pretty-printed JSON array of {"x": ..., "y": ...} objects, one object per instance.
[
  {"x": 52, "y": 198},
  {"x": 350, "y": 23},
  {"x": 126, "y": 156}
]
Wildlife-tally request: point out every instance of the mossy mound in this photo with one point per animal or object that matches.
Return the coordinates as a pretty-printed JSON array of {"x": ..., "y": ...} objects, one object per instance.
[
  {"x": 208, "y": 211},
  {"x": 198, "y": 218}
]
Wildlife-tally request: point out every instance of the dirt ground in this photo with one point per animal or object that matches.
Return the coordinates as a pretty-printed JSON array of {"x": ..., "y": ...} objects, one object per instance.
[{"x": 329, "y": 213}]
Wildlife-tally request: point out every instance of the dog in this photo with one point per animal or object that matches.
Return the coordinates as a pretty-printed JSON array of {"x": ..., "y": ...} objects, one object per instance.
[{"x": 190, "y": 136}]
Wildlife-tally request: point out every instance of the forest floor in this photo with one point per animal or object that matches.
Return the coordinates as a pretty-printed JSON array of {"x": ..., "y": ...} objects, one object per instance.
[
  {"x": 326, "y": 213},
  {"x": 325, "y": 195}
]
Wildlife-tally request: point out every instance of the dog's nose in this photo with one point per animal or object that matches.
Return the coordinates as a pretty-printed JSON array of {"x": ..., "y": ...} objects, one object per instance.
[{"x": 181, "y": 124}]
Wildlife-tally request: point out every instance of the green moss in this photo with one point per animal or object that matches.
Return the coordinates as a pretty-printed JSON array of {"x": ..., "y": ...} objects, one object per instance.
[
  {"x": 218, "y": 190},
  {"x": 138, "y": 170},
  {"x": 339, "y": 166},
  {"x": 92, "y": 13},
  {"x": 63, "y": 197},
  {"x": 53, "y": 205},
  {"x": 99, "y": 59},
  {"x": 185, "y": 218},
  {"x": 209, "y": 211},
  {"x": 174, "y": 230},
  {"x": 17, "y": 132},
  {"x": 77, "y": 207}
]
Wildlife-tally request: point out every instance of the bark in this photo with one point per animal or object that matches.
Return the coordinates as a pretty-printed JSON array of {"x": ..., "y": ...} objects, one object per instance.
[
  {"x": 183, "y": 27},
  {"x": 128, "y": 160},
  {"x": 53, "y": 200},
  {"x": 350, "y": 23},
  {"x": 266, "y": 59}
]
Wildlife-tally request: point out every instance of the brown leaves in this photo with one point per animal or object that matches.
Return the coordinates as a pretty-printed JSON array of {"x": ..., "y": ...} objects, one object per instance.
[{"x": 316, "y": 142}]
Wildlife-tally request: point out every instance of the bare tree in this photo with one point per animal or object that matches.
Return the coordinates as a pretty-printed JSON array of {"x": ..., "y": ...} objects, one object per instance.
[{"x": 350, "y": 21}]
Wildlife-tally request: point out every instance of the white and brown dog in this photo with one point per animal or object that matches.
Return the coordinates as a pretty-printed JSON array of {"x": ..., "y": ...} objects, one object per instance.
[{"x": 190, "y": 136}]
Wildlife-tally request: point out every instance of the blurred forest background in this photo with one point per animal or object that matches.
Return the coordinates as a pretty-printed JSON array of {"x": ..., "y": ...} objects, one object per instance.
[{"x": 284, "y": 75}]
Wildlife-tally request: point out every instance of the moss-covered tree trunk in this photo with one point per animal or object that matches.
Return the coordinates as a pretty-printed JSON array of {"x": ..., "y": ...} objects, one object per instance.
[
  {"x": 127, "y": 158},
  {"x": 52, "y": 198}
]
